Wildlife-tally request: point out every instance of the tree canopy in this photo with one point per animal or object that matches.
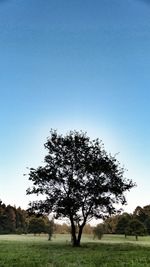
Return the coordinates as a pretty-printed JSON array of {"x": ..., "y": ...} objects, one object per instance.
[
  {"x": 12, "y": 219},
  {"x": 79, "y": 181},
  {"x": 135, "y": 227}
]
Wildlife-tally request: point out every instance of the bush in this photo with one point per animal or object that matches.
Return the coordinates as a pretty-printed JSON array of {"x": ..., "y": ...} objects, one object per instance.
[{"x": 98, "y": 231}]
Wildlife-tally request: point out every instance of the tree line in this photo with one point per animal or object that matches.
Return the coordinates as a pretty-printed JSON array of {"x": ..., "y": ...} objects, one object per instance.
[
  {"x": 137, "y": 223},
  {"x": 12, "y": 219},
  {"x": 18, "y": 221}
]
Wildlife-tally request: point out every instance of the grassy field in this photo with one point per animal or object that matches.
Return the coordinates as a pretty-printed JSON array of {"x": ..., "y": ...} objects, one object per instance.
[{"x": 111, "y": 251}]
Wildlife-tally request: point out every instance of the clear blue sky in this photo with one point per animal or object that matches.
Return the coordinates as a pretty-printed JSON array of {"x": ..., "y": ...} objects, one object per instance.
[{"x": 74, "y": 65}]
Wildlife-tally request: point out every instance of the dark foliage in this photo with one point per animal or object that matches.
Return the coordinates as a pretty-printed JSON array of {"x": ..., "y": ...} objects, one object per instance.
[
  {"x": 135, "y": 227},
  {"x": 17, "y": 221},
  {"x": 12, "y": 219}
]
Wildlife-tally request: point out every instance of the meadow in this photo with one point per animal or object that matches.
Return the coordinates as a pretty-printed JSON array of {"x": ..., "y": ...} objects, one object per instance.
[{"x": 36, "y": 251}]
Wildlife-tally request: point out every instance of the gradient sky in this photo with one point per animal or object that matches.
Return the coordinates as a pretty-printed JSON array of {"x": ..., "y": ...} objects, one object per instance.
[{"x": 68, "y": 65}]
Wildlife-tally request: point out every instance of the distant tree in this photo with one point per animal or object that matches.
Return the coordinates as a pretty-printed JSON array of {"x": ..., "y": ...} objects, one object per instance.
[
  {"x": 88, "y": 229},
  {"x": 21, "y": 221},
  {"x": 146, "y": 210},
  {"x": 98, "y": 231},
  {"x": 136, "y": 228},
  {"x": 11, "y": 218},
  {"x": 58, "y": 228},
  {"x": 3, "y": 219},
  {"x": 79, "y": 180},
  {"x": 147, "y": 225},
  {"x": 143, "y": 215},
  {"x": 111, "y": 224},
  {"x": 123, "y": 222},
  {"x": 49, "y": 228},
  {"x": 139, "y": 214},
  {"x": 138, "y": 211},
  {"x": 37, "y": 225}
]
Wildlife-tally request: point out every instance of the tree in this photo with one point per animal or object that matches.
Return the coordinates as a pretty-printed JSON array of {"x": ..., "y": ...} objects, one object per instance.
[
  {"x": 79, "y": 180},
  {"x": 11, "y": 218},
  {"x": 111, "y": 224},
  {"x": 136, "y": 228},
  {"x": 98, "y": 231},
  {"x": 147, "y": 225},
  {"x": 88, "y": 229},
  {"x": 61, "y": 228},
  {"x": 21, "y": 221},
  {"x": 123, "y": 223},
  {"x": 37, "y": 225},
  {"x": 143, "y": 215},
  {"x": 50, "y": 228},
  {"x": 140, "y": 214}
]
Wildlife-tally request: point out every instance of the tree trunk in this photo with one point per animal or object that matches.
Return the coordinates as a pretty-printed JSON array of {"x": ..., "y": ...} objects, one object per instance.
[
  {"x": 75, "y": 239},
  {"x": 79, "y": 235},
  {"x": 49, "y": 237},
  {"x": 73, "y": 235}
]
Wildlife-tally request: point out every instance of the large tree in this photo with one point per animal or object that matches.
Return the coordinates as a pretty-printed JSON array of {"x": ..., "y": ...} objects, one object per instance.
[{"x": 79, "y": 180}]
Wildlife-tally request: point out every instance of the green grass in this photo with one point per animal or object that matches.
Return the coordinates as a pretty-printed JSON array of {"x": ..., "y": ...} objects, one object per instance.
[{"x": 111, "y": 251}]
